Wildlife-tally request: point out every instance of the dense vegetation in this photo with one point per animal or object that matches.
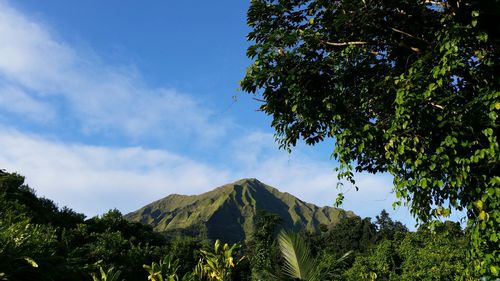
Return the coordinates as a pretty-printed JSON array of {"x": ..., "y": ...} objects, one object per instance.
[
  {"x": 406, "y": 87},
  {"x": 39, "y": 241}
]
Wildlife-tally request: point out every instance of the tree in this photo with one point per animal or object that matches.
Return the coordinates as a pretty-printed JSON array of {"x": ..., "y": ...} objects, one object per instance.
[
  {"x": 433, "y": 255},
  {"x": 406, "y": 87},
  {"x": 263, "y": 247},
  {"x": 39, "y": 241},
  {"x": 420, "y": 255},
  {"x": 186, "y": 249},
  {"x": 350, "y": 234},
  {"x": 387, "y": 228}
]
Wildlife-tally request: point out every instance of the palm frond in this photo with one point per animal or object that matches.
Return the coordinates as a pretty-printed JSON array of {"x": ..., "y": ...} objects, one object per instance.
[{"x": 299, "y": 262}]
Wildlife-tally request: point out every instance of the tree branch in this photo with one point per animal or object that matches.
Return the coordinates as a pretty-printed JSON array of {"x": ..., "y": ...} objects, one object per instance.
[
  {"x": 341, "y": 44},
  {"x": 437, "y": 105},
  {"x": 259, "y": 100},
  {"x": 408, "y": 34}
]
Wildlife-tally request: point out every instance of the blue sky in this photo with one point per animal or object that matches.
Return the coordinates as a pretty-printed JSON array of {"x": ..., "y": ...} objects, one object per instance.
[{"x": 109, "y": 104}]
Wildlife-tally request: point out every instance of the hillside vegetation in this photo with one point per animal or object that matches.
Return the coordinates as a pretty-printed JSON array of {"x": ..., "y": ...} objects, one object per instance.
[{"x": 229, "y": 212}]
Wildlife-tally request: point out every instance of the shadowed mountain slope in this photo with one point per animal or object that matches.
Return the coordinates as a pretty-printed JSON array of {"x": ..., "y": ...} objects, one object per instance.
[{"x": 228, "y": 212}]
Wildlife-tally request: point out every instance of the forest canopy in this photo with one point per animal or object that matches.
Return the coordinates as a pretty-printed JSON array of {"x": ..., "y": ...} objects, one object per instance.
[{"x": 39, "y": 241}]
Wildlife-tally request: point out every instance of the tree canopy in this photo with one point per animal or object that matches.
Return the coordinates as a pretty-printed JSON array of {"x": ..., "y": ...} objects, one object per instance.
[{"x": 408, "y": 87}]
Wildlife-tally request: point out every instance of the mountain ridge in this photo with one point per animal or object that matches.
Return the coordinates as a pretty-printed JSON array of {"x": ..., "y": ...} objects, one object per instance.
[{"x": 228, "y": 212}]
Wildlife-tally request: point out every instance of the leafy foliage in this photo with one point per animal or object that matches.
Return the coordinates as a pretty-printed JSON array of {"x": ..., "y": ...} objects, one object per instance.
[
  {"x": 109, "y": 275},
  {"x": 24, "y": 247},
  {"x": 39, "y": 241},
  {"x": 387, "y": 228},
  {"x": 218, "y": 264},
  {"x": 38, "y": 246},
  {"x": 262, "y": 248},
  {"x": 423, "y": 255},
  {"x": 405, "y": 87},
  {"x": 351, "y": 234},
  {"x": 299, "y": 263},
  {"x": 166, "y": 270}
]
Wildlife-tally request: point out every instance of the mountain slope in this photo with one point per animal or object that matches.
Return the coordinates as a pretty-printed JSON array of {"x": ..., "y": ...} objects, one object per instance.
[{"x": 228, "y": 212}]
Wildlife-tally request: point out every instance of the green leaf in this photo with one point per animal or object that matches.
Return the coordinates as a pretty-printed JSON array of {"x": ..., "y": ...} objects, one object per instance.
[
  {"x": 423, "y": 183},
  {"x": 479, "y": 205},
  {"x": 483, "y": 215},
  {"x": 299, "y": 263},
  {"x": 31, "y": 261},
  {"x": 494, "y": 270}
]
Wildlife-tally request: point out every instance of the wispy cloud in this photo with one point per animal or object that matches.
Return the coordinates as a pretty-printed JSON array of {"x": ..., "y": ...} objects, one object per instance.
[
  {"x": 93, "y": 179},
  {"x": 15, "y": 100},
  {"x": 38, "y": 66}
]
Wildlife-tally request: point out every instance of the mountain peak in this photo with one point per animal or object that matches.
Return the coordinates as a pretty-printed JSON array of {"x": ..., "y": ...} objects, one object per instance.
[
  {"x": 244, "y": 185},
  {"x": 229, "y": 211},
  {"x": 252, "y": 181}
]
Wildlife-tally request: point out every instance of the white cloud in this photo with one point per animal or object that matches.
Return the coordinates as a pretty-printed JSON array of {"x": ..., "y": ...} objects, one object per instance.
[
  {"x": 102, "y": 97},
  {"x": 94, "y": 179},
  {"x": 15, "y": 100}
]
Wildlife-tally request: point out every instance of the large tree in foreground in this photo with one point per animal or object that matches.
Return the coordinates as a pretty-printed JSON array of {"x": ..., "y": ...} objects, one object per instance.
[{"x": 408, "y": 87}]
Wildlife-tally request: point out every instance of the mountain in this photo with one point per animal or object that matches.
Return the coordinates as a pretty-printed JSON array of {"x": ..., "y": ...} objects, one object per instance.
[{"x": 228, "y": 212}]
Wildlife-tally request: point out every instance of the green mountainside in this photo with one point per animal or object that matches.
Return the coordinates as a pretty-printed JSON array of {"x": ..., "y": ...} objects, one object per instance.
[{"x": 228, "y": 212}]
